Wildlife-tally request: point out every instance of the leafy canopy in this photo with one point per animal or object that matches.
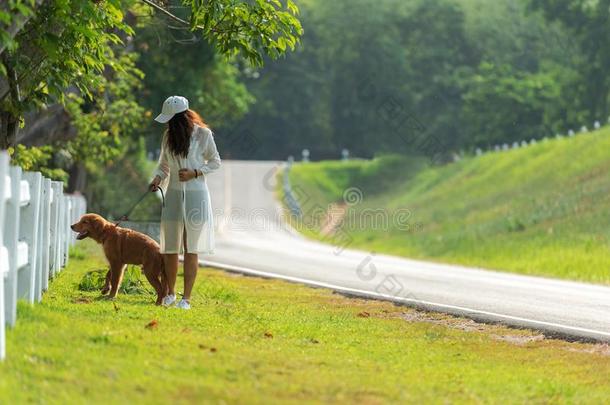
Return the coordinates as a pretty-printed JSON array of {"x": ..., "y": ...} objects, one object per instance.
[
  {"x": 249, "y": 28},
  {"x": 78, "y": 52}
]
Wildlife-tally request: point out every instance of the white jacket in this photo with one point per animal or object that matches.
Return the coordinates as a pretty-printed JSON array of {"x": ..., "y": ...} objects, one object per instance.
[{"x": 187, "y": 204}]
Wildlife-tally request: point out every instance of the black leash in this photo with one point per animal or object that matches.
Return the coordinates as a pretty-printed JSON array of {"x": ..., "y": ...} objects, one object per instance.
[{"x": 133, "y": 207}]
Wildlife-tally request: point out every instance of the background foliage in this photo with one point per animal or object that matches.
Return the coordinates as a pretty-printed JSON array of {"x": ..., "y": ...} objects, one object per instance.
[
  {"x": 419, "y": 78},
  {"x": 430, "y": 77}
]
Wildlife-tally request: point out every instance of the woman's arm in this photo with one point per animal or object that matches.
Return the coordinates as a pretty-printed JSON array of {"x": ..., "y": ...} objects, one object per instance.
[
  {"x": 162, "y": 170},
  {"x": 211, "y": 157}
]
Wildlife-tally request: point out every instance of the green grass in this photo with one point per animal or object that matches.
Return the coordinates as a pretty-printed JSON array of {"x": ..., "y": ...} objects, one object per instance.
[
  {"x": 250, "y": 340},
  {"x": 542, "y": 210}
]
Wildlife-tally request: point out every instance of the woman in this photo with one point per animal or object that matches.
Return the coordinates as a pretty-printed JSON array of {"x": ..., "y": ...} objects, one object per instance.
[{"x": 188, "y": 155}]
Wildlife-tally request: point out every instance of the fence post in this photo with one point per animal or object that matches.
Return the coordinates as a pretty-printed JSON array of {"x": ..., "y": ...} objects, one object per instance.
[
  {"x": 28, "y": 232},
  {"x": 66, "y": 227},
  {"x": 54, "y": 227},
  {"x": 4, "y": 187},
  {"x": 60, "y": 229},
  {"x": 46, "y": 234},
  {"x": 11, "y": 231},
  {"x": 42, "y": 211},
  {"x": 68, "y": 237}
]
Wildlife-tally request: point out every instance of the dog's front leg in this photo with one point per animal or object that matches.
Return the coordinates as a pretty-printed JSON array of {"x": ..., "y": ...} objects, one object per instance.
[
  {"x": 107, "y": 284},
  {"x": 116, "y": 276}
]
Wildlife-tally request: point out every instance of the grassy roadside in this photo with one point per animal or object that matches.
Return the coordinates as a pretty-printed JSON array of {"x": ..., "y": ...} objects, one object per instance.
[
  {"x": 249, "y": 340},
  {"x": 542, "y": 210}
]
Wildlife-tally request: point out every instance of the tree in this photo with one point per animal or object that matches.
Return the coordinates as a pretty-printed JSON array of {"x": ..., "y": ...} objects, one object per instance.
[
  {"x": 370, "y": 76},
  {"x": 589, "y": 23},
  {"x": 419, "y": 77},
  {"x": 505, "y": 105},
  {"x": 250, "y": 28},
  {"x": 68, "y": 43}
]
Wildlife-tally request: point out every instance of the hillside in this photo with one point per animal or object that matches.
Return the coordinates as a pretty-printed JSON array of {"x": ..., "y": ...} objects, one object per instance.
[{"x": 542, "y": 210}]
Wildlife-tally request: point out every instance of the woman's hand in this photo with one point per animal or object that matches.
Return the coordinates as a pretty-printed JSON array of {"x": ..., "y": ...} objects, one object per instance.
[
  {"x": 154, "y": 185},
  {"x": 186, "y": 174}
]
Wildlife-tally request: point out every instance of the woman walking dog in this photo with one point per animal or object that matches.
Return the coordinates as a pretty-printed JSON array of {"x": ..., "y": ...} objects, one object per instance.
[{"x": 188, "y": 155}]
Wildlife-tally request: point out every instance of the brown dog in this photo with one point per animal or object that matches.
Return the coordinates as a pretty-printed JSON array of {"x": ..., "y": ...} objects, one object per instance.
[{"x": 121, "y": 247}]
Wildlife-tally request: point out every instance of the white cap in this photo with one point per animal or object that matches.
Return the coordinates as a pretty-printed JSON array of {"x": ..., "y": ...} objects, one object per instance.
[{"x": 173, "y": 105}]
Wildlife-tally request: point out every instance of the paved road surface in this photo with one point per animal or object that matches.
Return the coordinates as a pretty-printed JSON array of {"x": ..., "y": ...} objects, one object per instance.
[{"x": 251, "y": 238}]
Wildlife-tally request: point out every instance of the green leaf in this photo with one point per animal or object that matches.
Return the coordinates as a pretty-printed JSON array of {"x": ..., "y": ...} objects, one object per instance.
[{"x": 292, "y": 7}]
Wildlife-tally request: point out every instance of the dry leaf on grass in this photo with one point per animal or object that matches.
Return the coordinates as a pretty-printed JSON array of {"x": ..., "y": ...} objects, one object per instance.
[{"x": 152, "y": 324}]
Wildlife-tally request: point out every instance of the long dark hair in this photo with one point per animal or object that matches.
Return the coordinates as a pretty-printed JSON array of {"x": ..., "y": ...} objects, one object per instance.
[{"x": 179, "y": 130}]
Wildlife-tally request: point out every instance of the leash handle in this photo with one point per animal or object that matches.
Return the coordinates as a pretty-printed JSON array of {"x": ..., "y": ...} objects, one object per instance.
[{"x": 162, "y": 197}]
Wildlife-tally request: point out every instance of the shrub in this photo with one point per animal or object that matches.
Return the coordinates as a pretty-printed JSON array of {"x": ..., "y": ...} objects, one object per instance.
[{"x": 133, "y": 281}]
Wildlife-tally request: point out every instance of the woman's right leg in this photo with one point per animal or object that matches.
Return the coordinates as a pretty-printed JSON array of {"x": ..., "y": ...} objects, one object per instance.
[{"x": 171, "y": 270}]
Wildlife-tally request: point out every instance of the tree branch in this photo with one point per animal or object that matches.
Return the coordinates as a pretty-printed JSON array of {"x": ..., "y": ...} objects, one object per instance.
[
  {"x": 167, "y": 13},
  {"x": 180, "y": 20}
]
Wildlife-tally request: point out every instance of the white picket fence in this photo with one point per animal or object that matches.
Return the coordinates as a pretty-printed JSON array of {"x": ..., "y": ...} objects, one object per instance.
[{"x": 35, "y": 235}]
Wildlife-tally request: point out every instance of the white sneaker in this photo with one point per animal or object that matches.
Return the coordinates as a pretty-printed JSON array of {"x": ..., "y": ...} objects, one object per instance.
[
  {"x": 168, "y": 300},
  {"x": 183, "y": 304}
]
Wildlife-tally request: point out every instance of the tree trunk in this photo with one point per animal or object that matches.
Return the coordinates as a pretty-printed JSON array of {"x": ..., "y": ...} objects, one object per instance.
[
  {"x": 10, "y": 119},
  {"x": 46, "y": 127},
  {"x": 78, "y": 178},
  {"x": 8, "y": 130}
]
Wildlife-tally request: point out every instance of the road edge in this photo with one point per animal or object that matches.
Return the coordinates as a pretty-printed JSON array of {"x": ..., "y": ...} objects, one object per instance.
[{"x": 549, "y": 329}]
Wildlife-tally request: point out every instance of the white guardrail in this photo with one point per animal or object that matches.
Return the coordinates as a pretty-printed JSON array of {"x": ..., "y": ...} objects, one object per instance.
[{"x": 35, "y": 235}]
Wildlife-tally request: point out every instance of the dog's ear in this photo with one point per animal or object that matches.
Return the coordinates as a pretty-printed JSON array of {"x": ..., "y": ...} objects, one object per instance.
[{"x": 97, "y": 225}]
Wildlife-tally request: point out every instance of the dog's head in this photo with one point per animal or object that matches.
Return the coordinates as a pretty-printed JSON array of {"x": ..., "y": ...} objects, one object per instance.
[{"x": 90, "y": 225}]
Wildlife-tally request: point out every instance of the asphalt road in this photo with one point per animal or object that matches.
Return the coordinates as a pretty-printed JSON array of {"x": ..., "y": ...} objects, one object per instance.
[{"x": 252, "y": 238}]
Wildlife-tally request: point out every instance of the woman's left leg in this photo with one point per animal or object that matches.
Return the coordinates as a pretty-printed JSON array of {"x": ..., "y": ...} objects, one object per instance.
[{"x": 191, "y": 264}]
